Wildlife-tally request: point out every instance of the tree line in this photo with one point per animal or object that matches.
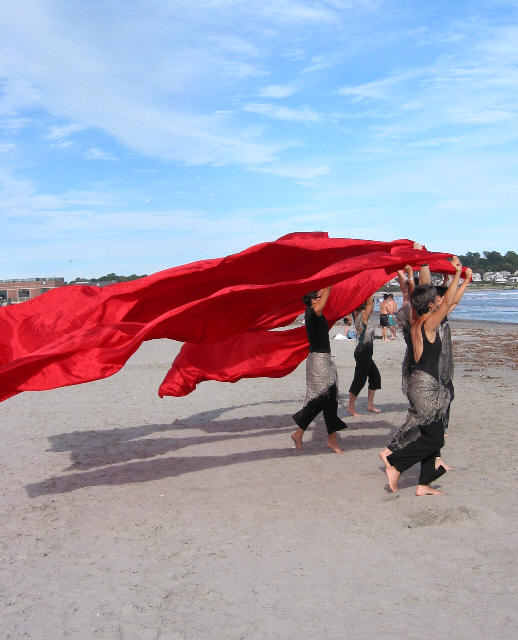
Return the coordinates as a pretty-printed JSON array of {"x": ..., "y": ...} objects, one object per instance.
[
  {"x": 111, "y": 277},
  {"x": 490, "y": 261}
]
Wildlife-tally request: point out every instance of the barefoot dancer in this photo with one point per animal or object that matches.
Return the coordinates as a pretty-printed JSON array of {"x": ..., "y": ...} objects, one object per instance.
[
  {"x": 321, "y": 377},
  {"x": 446, "y": 367},
  {"x": 429, "y": 399},
  {"x": 365, "y": 367}
]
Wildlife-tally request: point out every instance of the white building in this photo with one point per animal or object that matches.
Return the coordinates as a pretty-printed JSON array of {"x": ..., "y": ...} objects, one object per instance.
[{"x": 476, "y": 277}]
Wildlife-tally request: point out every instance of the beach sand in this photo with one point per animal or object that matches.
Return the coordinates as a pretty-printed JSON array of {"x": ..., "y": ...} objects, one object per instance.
[{"x": 125, "y": 516}]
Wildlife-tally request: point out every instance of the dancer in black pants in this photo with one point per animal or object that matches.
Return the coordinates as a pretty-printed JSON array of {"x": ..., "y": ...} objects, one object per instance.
[
  {"x": 429, "y": 399},
  {"x": 366, "y": 368},
  {"x": 321, "y": 377}
]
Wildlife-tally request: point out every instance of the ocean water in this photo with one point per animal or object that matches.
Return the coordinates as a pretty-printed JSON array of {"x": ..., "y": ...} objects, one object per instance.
[
  {"x": 489, "y": 305},
  {"x": 495, "y": 306}
]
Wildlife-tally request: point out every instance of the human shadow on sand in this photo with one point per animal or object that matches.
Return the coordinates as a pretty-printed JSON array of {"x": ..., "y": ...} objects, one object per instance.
[{"x": 103, "y": 457}]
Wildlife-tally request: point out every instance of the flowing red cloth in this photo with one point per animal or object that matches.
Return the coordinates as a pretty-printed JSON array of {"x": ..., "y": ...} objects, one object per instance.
[
  {"x": 78, "y": 333},
  {"x": 262, "y": 353}
]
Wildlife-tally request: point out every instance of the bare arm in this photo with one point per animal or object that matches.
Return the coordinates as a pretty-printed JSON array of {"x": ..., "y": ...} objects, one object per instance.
[
  {"x": 411, "y": 283},
  {"x": 402, "y": 280},
  {"x": 425, "y": 277},
  {"x": 461, "y": 290},
  {"x": 318, "y": 307},
  {"x": 368, "y": 310},
  {"x": 448, "y": 301}
]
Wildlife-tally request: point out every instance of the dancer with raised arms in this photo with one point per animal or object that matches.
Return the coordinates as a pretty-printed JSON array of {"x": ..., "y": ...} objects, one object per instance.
[
  {"x": 321, "y": 376},
  {"x": 429, "y": 399}
]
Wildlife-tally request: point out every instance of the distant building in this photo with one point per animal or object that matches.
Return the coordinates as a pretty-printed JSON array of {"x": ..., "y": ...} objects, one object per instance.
[
  {"x": 476, "y": 277},
  {"x": 488, "y": 276},
  {"x": 17, "y": 290},
  {"x": 100, "y": 283}
]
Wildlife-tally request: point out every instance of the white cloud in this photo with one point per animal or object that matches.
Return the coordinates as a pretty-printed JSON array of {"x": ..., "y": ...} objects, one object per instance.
[
  {"x": 98, "y": 154},
  {"x": 296, "y": 172},
  {"x": 60, "y": 132},
  {"x": 302, "y": 114},
  {"x": 277, "y": 91}
]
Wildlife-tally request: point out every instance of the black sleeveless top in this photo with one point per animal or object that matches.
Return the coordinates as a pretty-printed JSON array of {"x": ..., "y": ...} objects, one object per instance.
[
  {"x": 429, "y": 360},
  {"x": 318, "y": 332}
]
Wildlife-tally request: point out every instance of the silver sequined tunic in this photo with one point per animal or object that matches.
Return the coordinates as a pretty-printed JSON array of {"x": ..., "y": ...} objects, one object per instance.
[
  {"x": 321, "y": 375},
  {"x": 429, "y": 401},
  {"x": 429, "y": 398}
]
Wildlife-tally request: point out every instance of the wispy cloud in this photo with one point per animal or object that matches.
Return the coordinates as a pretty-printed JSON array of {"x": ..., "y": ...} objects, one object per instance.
[
  {"x": 277, "y": 91},
  {"x": 297, "y": 172},
  {"x": 98, "y": 154},
  {"x": 302, "y": 114},
  {"x": 239, "y": 121},
  {"x": 60, "y": 132}
]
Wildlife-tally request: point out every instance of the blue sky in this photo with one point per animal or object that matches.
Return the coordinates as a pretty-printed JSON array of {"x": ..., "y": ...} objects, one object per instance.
[{"x": 135, "y": 136}]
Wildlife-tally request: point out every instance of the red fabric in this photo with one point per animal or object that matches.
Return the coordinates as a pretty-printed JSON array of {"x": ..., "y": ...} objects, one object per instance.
[
  {"x": 77, "y": 333},
  {"x": 262, "y": 353}
]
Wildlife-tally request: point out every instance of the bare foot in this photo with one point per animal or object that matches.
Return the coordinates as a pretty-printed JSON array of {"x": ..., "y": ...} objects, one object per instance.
[
  {"x": 352, "y": 412},
  {"x": 297, "y": 439},
  {"x": 331, "y": 442},
  {"x": 373, "y": 409},
  {"x": 383, "y": 455},
  {"x": 426, "y": 490},
  {"x": 440, "y": 462},
  {"x": 393, "y": 477}
]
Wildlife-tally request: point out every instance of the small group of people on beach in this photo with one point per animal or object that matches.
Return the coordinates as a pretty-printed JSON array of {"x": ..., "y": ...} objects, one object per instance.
[
  {"x": 427, "y": 372},
  {"x": 388, "y": 310}
]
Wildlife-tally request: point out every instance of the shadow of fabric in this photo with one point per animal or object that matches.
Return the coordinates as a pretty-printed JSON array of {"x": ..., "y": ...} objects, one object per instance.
[{"x": 121, "y": 456}]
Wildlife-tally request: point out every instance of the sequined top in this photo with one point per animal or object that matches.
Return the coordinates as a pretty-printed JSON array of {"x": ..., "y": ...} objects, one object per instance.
[{"x": 364, "y": 332}]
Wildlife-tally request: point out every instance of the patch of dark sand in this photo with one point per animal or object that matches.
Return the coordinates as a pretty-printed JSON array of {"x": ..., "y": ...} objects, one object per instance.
[
  {"x": 500, "y": 349},
  {"x": 435, "y": 515}
]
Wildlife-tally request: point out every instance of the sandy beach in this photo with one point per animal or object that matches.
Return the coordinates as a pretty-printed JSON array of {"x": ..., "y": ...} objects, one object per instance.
[{"x": 129, "y": 517}]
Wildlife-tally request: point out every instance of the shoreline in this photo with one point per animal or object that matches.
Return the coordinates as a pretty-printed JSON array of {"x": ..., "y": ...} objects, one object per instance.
[{"x": 470, "y": 322}]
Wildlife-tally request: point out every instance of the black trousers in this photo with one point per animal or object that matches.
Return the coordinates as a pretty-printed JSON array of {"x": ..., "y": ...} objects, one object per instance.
[
  {"x": 328, "y": 404},
  {"x": 424, "y": 450},
  {"x": 365, "y": 369}
]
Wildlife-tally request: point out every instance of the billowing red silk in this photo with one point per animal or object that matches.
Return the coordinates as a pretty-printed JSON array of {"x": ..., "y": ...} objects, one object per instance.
[
  {"x": 223, "y": 310},
  {"x": 262, "y": 353}
]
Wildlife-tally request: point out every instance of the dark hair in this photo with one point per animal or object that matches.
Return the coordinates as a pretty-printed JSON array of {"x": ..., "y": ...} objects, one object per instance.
[
  {"x": 308, "y": 297},
  {"x": 421, "y": 297},
  {"x": 389, "y": 295},
  {"x": 441, "y": 290},
  {"x": 385, "y": 296}
]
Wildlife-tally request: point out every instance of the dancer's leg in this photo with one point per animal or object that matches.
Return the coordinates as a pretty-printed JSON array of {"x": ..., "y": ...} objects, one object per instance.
[
  {"x": 361, "y": 372},
  {"x": 333, "y": 422},
  {"x": 425, "y": 448},
  {"x": 304, "y": 417}
]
